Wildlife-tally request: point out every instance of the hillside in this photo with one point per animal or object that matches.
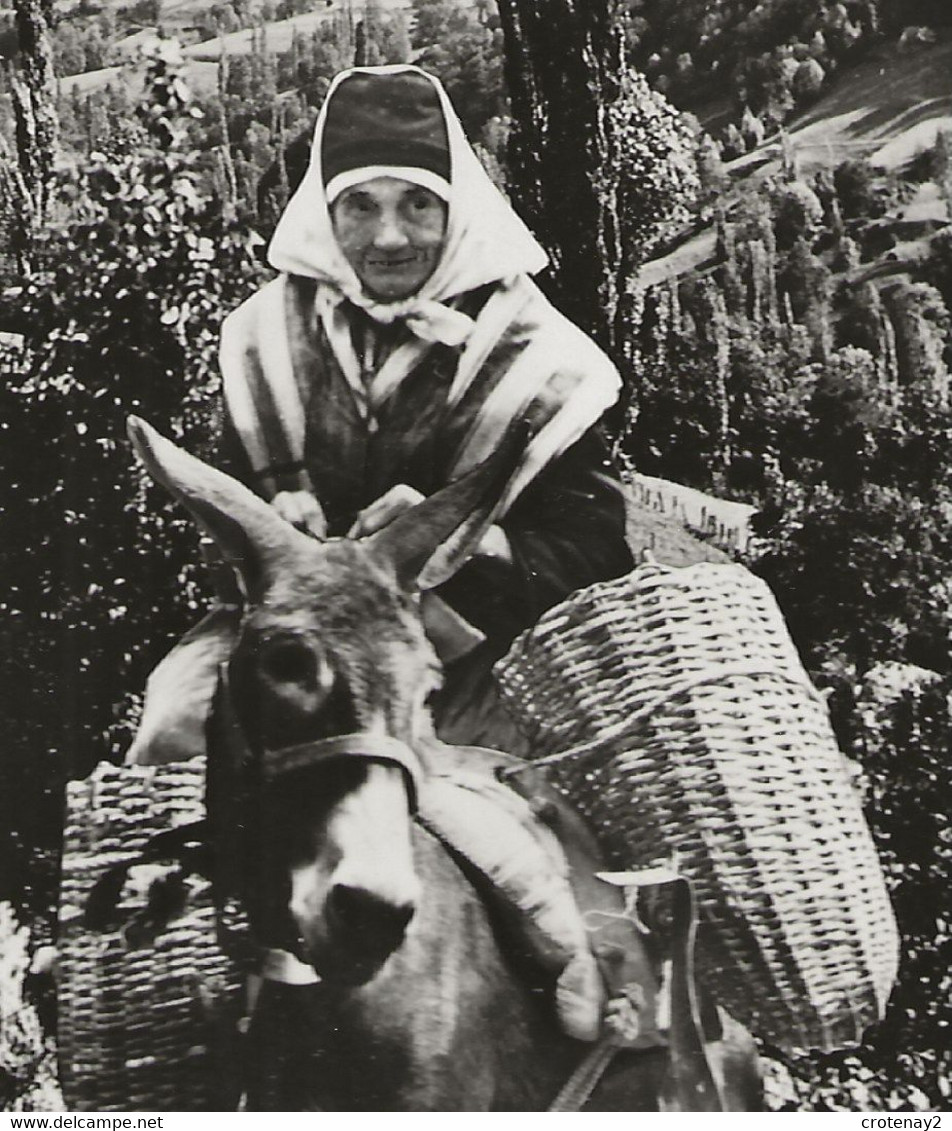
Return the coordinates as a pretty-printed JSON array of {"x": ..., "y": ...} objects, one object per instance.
[
  {"x": 201, "y": 71},
  {"x": 185, "y": 21},
  {"x": 278, "y": 34},
  {"x": 888, "y": 109}
]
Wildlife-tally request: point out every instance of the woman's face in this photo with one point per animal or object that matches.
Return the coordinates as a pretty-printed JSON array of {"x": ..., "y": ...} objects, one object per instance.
[{"x": 392, "y": 233}]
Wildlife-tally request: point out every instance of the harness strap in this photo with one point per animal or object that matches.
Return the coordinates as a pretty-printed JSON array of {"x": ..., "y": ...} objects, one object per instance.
[
  {"x": 690, "y": 1083},
  {"x": 368, "y": 745}
]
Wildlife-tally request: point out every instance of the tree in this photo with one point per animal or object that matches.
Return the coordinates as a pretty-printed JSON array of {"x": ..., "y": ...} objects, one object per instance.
[
  {"x": 464, "y": 50},
  {"x": 27, "y": 1056},
  {"x": 712, "y": 176},
  {"x": 34, "y": 108},
  {"x": 807, "y": 81},
  {"x": 797, "y": 214},
  {"x": 69, "y": 52},
  {"x": 436, "y": 21},
  {"x": 602, "y": 166},
  {"x": 861, "y": 190},
  {"x": 922, "y": 323},
  {"x": 807, "y": 283}
]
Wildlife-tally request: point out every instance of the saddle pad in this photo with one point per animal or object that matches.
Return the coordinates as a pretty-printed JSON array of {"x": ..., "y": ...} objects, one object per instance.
[{"x": 522, "y": 863}]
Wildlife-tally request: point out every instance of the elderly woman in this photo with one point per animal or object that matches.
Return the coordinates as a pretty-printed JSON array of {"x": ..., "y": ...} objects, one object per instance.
[{"x": 401, "y": 341}]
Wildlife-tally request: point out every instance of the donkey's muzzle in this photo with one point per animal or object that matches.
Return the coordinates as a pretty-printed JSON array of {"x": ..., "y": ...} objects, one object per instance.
[{"x": 365, "y": 924}]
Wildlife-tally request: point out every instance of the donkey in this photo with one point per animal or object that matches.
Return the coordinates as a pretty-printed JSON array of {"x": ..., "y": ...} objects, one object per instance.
[{"x": 401, "y": 986}]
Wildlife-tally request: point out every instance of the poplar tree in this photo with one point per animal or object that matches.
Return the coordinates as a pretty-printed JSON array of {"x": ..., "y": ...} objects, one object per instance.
[
  {"x": 601, "y": 165},
  {"x": 33, "y": 91}
]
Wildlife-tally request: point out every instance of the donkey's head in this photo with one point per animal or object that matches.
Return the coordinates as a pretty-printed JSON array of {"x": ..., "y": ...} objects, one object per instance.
[{"x": 328, "y": 684}]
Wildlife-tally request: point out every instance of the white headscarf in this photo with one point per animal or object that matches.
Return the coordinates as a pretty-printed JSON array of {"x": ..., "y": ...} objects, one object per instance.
[{"x": 485, "y": 240}]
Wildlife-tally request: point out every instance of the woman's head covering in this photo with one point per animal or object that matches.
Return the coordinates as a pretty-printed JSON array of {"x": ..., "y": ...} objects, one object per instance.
[
  {"x": 385, "y": 125},
  {"x": 383, "y": 121}
]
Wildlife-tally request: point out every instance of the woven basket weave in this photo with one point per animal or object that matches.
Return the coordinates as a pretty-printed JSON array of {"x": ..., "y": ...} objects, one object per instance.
[
  {"x": 150, "y": 1028},
  {"x": 701, "y": 736}
]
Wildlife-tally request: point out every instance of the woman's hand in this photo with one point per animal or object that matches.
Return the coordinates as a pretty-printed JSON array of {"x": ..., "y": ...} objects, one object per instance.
[
  {"x": 384, "y": 510},
  {"x": 302, "y": 510}
]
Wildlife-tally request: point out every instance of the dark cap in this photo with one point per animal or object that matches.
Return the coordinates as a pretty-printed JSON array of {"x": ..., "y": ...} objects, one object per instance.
[{"x": 393, "y": 119}]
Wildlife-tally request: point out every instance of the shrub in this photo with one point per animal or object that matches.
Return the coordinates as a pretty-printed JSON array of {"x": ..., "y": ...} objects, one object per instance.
[
  {"x": 121, "y": 316},
  {"x": 27, "y": 1060}
]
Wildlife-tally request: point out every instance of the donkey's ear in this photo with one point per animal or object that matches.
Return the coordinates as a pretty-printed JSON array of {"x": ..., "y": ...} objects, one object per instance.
[
  {"x": 430, "y": 542},
  {"x": 250, "y": 534}
]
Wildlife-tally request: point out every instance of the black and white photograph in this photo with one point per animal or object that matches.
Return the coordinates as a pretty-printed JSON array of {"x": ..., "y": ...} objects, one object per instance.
[{"x": 475, "y": 558}]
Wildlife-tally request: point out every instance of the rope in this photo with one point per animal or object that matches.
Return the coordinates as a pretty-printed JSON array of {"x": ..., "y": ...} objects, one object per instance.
[
  {"x": 663, "y": 699},
  {"x": 578, "y": 1089},
  {"x": 622, "y": 1027}
]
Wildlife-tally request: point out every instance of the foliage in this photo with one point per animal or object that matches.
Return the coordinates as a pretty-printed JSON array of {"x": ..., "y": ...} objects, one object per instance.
[
  {"x": 860, "y": 573},
  {"x": 381, "y": 38},
  {"x": 767, "y": 56},
  {"x": 899, "y": 14},
  {"x": 653, "y": 167},
  {"x": 807, "y": 81},
  {"x": 836, "y": 399},
  {"x": 601, "y": 166},
  {"x": 27, "y": 1060},
  {"x": 463, "y": 48},
  {"x": 265, "y": 98},
  {"x": 922, "y": 323},
  {"x": 122, "y": 317},
  {"x": 938, "y": 267},
  {"x": 862, "y": 191},
  {"x": 797, "y": 213},
  {"x": 80, "y": 46}
]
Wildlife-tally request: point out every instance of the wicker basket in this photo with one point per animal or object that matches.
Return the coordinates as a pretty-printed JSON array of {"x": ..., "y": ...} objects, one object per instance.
[
  {"x": 150, "y": 1028},
  {"x": 697, "y": 733}
]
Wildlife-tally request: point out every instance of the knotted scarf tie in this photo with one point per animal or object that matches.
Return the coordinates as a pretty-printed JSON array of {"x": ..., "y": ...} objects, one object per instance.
[{"x": 429, "y": 321}]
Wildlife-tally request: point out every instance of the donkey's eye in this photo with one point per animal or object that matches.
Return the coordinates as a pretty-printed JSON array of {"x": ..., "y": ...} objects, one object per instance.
[{"x": 289, "y": 661}]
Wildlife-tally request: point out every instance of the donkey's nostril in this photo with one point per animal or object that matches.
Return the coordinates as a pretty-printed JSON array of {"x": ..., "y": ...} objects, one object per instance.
[{"x": 371, "y": 921}]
